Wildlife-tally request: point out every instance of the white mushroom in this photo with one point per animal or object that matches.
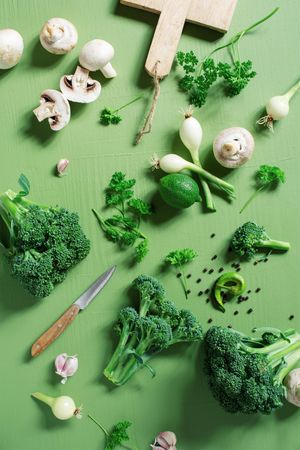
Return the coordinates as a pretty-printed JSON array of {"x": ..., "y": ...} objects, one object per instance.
[
  {"x": 11, "y": 48},
  {"x": 233, "y": 147},
  {"x": 58, "y": 36},
  {"x": 55, "y": 107},
  {"x": 80, "y": 87},
  {"x": 96, "y": 55}
]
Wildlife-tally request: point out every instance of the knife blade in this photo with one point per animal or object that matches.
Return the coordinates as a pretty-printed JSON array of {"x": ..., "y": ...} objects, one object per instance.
[{"x": 69, "y": 315}]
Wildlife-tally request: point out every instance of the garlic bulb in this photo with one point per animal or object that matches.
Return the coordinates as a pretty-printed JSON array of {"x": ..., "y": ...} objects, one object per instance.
[{"x": 233, "y": 147}]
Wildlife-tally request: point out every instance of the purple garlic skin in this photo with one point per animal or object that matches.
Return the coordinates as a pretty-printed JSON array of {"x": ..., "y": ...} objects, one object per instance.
[
  {"x": 165, "y": 440},
  {"x": 66, "y": 366}
]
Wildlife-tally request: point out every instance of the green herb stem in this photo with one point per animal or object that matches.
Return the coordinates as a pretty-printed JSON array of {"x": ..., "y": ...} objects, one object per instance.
[
  {"x": 99, "y": 425},
  {"x": 255, "y": 193},
  {"x": 129, "y": 103}
]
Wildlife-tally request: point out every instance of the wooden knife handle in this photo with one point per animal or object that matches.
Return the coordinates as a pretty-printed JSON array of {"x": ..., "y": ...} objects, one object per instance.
[
  {"x": 166, "y": 37},
  {"x": 55, "y": 330}
]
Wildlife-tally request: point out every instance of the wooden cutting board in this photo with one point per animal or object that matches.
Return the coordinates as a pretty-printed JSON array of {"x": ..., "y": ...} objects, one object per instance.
[{"x": 215, "y": 14}]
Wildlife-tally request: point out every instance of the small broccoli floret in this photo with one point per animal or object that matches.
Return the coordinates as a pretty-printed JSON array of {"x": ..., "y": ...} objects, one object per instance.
[
  {"x": 158, "y": 325},
  {"x": 246, "y": 374},
  {"x": 150, "y": 290},
  {"x": 249, "y": 238},
  {"x": 42, "y": 243}
]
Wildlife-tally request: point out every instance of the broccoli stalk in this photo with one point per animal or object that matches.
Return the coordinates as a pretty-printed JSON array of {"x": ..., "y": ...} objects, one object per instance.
[
  {"x": 41, "y": 243},
  {"x": 157, "y": 325},
  {"x": 246, "y": 374},
  {"x": 250, "y": 238}
]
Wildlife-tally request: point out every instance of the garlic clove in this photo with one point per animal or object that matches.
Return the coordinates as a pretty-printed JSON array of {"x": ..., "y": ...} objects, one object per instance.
[
  {"x": 165, "y": 440},
  {"x": 61, "y": 166},
  {"x": 66, "y": 366}
]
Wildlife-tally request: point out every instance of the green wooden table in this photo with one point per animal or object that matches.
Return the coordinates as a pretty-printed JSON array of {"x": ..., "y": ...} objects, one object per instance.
[{"x": 178, "y": 398}]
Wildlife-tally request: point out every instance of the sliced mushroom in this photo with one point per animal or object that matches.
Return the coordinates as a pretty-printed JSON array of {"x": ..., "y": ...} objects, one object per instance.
[
  {"x": 58, "y": 36},
  {"x": 96, "y": 55},
  {"x": 80, "y": 87},
  {"x": 55, "y": 107},
  {"x": 233, "y": 147}
]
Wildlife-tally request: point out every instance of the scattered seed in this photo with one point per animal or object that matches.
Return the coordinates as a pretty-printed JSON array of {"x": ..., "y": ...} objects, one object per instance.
[
  {"x": 220, "y": 270},
  {"x": 245, "y": 298},
  {"x": 189, "y": 275},
  {"x": 200, "y": 293},
  {"x": 179, "y": 275},
  {"x": 249, "y": 292},
  {"x": 229, "y": 326},
  {"x": 209, "y": 320},
  {"x": 238, "y": 269},
  {"x": 266, "y": 260},
  {"x": 257, "y": 290},
  {"x": 206, "y": 291},
  {"x": 255, "y": 263},
  {"x": 204, "y": 270},
  {"x": 212, "y": 235},
  {"x": 291, "y": 317},
  {"x": 210, "y": 271},
  {"x": 250, "y": 311},
  {"x": 233, "y": 264},
  {"x": 214, "y": 257},
  {"x": 199, "y": 280},
  {"x": 207, "y": 300},
  {"x": 235, "y": 313},
  {"x": 188, "y": 291}
]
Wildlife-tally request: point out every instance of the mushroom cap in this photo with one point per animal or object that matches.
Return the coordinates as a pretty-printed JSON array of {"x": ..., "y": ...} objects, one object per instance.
[
  {"x": 11, "y": 48},
  {"x": 96, "y": 54},
  {"x": 233, "y": 147},
  {"x": 80, "y": 88},
  {"x": 58, "y": 36},
  {"x": 61, "y": 114}
]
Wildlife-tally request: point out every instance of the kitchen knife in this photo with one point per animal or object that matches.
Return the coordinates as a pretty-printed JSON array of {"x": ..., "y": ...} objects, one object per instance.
[{"x": 69, "y": 315}]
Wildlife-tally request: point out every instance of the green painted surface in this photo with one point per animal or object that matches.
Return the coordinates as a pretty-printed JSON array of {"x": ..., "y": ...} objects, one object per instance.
[{"x": 178, "y": 398}]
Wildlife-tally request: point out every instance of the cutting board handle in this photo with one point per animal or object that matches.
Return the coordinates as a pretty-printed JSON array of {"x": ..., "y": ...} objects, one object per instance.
[{"x": 166, "y": 37}]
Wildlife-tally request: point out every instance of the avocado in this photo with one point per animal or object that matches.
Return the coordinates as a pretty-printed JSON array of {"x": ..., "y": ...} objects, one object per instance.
[{"x": 179, "y": 190}]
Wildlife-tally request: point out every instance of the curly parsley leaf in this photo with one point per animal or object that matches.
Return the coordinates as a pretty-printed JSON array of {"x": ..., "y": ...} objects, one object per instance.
[
  {"x": 124, "y": 228},
  {"x": 266, "y": 177},
  {"x": 179, "y": 258},
  {"x": 236, "y": 76}
]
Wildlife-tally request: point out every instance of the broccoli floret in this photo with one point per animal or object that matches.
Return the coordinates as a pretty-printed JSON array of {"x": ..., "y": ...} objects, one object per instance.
[
  {"x": 151, "y": 292},
  {"x": 157, "y": 325},
  {"x": 249, "y": 238},
  {"x": 41, "y": 243},
  {"x": 246, "y": 374}
]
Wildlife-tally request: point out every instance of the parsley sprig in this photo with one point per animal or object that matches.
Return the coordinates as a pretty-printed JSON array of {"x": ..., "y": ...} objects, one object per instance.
[
  {"x": 124, "y": 227},
  {"x": 201, "y": 75},
  {"x": 110, "y": 116},
  {"x": 118, "y": 435},
  {"x": 266, "y": 177},
  {"x": 179, "y": 258}
]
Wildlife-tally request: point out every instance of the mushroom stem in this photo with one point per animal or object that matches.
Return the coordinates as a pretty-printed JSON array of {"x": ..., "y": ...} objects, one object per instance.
[
  {"x": 80, "y": 76},
  {"x": 229, "y": 149},
  {"x": 45, "y": 110},
  {"x": 54, "y": 33},
  {"x": 108, "y": 71}
]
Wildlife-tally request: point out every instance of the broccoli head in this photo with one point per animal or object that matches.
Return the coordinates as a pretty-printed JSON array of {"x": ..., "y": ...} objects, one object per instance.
[
  {"x": 41, "y": 243},
  {"x": 246, "y": 374},
  {"x": 157, "y": 325},
  {"x": 249, "y": 238}
]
